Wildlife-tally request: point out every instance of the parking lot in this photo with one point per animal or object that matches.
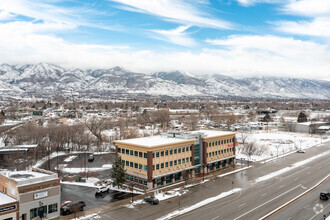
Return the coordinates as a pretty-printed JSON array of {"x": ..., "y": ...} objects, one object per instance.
[{"x": 87, "y": 194}]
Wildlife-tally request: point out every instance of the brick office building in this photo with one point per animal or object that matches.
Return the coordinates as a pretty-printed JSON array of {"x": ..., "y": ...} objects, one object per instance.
[
  {"x": 37, "y": 192},
  {"x": 171, "y": 157}
]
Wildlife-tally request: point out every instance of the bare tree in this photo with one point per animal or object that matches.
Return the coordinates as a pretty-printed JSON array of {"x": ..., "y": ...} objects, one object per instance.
[
  {"x": 192, "y": 122},
  {"x": 250, "y": 149}
]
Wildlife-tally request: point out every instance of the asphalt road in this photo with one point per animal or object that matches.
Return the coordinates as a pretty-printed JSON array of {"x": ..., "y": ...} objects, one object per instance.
[
  {"x": 87, "y": 194},
  {"x": 255, "y": 200}
]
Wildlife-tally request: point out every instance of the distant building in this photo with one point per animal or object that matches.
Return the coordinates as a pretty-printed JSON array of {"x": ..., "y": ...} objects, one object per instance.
[
  {"x": 306, "y": 127},
  {"x": 160, "y": 160},
  {"x": 9, "y": 208},
  {"x": 37, "y": 192}
]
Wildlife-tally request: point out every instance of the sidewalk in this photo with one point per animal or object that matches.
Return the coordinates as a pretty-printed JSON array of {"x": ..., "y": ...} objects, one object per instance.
[{"x": 124, "y": 202}]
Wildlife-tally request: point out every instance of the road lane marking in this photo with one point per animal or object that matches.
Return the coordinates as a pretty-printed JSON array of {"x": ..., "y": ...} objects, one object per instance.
[
  {"x": 295, "y": 179},
  {"x": 281, "y": 186},
  {"x": 241, "y": 205},
  {"x": 263, "y": 194},
  {"x": 268, "y": 202},
  {"x": 318, "y": 212},
  {"x": 215, "y": 217},
  {"x": 294, "y": 173}
]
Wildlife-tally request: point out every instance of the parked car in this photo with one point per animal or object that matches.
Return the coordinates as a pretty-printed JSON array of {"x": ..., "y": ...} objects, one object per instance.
[
  {"x": 101, "y": 189},
  {"x": 300, "y": 151},
  {"x": 152, "y": 200},
  {"x": 91, "y": 158},
  {"x": 324, "y": 196},
  {"x": 64, "y": 203},
  {"x": 72, "y": 207}
]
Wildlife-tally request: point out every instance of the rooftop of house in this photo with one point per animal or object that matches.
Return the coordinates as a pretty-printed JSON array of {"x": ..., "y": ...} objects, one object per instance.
[
  {"x": 172, "y": 138},
  {"x": 5, "y": 199}
]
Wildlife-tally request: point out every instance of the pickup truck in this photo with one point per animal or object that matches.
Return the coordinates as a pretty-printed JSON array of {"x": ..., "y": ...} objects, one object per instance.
[
  {"x": 324, "y": 196},
  {"x": 72, "y": 207}
]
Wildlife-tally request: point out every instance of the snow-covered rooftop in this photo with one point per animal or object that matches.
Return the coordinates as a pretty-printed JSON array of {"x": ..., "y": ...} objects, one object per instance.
[
  {"x": 25, "y": 177},
  {"x": 5, "y": 199},
  {"x": 152, "y": 141},
  {"x": 212, "y": 133},
  {"x": 159, "y": 140}
]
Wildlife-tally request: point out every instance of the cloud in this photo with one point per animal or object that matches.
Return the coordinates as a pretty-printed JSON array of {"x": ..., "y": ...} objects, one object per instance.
[
  {"x": 234, "y": 56},
  {"x": 178, "y": 11},
  {"x": 311, "y": 8},
  {"x": 247, "y": 3},
  {"x": 319, "y": 27},
  {"x": 176, "y": 36}
]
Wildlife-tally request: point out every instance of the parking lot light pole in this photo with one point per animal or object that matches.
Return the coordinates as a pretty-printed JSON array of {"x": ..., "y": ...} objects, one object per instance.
[{"x": 132, "y": 191}]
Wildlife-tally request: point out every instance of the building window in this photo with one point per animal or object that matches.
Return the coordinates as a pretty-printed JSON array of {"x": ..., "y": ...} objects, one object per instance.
[
  {"x": 145, "y": 167},
  {"x": 190, "y": 159},
  {"x": 183, "y": 160},
  {"x": 162, "y": 153},
  {"x": 171, "y": 151},
  {"x": 131, "y": 152},
  {"x": 179, "y": 150},
  {"x": 135, "y": 153},
  {"x": 166, "y": 152},
  {"x": 187, "y": 160},
  {"x": 123, "y": 151},
  {"x": 136, "y": 165},
  {"x": 127, "y": 163},
  {"x": 123, "y": 162},
  {"x": 175, "y": 151},
  {"x": 52, "y": 208},
  {"x": 171, "y": 163},
  {"x": 187, "y": 148},
  {"x": 221, "y": 151},
  {"x": 216, "y": 153},
  {"x": 166, "y": 164},
  {"x": 213, "y": 153},
  {"x": 127, "y": 177},
  {"x": 131, "y": 164},
  {"x": 213, "y": 143},
  {"x": 33, "y": 213},
  {"x": 190, "y": 148},
  {"x": 218, "y": 142},
  {"x": 157, "y": 166},
  {"x": 140, "y": 154},
  {"x": 127, "y": 151},
  {"x": 131, "y": 178},
  {"x": 179, "y": 161},
  {"x": 209, "y": 144},
  {"x": 140, "y": 166},
  {"x": 153, "y": 167},
  {"x": 140, "y": 181},
  {"x": 175, "y": 162},
  {"x": 162, "y": 165},
  {"x": 145, "y": 155},
  {"x": 145, "y": 182},
  {"x": 153, "y": 155},
  {"x": 119, "y": 150},
  {"x": 136, "y": 179},
  {"x": 221, "y": 141},
  {"x": 183, "y": 150},
  {"x": 157, "y": 154}
]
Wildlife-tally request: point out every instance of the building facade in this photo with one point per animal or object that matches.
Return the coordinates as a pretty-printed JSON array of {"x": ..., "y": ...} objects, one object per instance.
[
  {"x": 156, "y": 161},
  {"x": 37, "y": 192},
  {"x": 9, "y": 208}
]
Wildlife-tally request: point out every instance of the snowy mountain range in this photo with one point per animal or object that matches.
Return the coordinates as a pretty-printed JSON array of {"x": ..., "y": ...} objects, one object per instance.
[{"x": 48, "y": 80}]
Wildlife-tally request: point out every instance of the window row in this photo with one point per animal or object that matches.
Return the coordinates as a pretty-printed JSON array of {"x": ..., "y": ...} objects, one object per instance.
[
  {"x": 171, "y": 163},
  {"x": 132, "y": 152},
  {"x": 221, "y": 142},
  {"x": 135, "y": 165},
  {"x": 178, "y": 150},
  {"x": 51, "y": 208},
  {"x": 216, "y": 153},
  {"x": 136, "y": 180}
]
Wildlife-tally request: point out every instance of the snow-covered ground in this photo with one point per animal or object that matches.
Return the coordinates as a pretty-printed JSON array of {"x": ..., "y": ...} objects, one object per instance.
[
  {"x": 43, "y": 160},
  {"x": 88, "y": 217},
  {"x": 276, "y": 143},
  {"x": 81, "y": 170}
]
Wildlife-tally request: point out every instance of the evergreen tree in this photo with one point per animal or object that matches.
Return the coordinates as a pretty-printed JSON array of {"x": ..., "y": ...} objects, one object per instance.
[
  {"x": 118, "y": 172},
  {"x": 302, "y": 117},
  {"x": 267, "y": 118}
]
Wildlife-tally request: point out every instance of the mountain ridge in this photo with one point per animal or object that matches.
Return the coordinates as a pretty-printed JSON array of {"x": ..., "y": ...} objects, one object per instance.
[{"x": 46, "y": 79}]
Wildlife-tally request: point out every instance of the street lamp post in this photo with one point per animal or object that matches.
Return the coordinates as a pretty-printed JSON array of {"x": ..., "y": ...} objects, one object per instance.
[{"x": 132, "y": 190}]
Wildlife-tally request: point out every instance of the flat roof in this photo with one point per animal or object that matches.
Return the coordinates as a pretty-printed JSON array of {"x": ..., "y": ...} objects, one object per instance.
[
  {"x": 25, "y": 175},
  {"x": 153, "y": 141},
  {"x": 5, "y": 199},
  {"x": 159, "y": 140},
  {"x": 212, "y": 133}
]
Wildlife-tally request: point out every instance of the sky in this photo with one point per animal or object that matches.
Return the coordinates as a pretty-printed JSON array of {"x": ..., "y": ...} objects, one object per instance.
[{"x": 237, "y": 38}]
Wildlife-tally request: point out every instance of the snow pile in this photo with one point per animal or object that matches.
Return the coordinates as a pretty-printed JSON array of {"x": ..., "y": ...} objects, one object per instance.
[
  {"x": 199, "y": 204},
  {"x": 69, "y": 159},
  {"x": 82, "y": 170},
  {"x": 90, "y": 182},
  {"x": 286, "y": 169}
]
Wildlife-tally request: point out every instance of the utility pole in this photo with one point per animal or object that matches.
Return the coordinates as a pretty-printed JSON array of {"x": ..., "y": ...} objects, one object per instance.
[{"x": 132, "y": 191}]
